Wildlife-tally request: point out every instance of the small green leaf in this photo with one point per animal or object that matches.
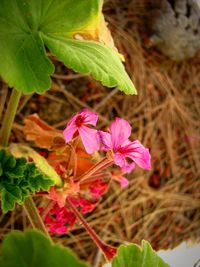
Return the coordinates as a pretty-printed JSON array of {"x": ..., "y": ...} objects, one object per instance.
[
  {"x": 33, "y": 249},
  {"x": 9, "y": 195},
  {"x": 37, "y": 182},
  {"x": 20, "y": 150},
  {"x": 134, "y": 256},
  {"x": 19, "y": 180},
  {"x": 93, "y": 58}
]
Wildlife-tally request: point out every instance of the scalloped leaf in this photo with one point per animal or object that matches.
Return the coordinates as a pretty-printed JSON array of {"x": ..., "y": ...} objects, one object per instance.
[
  {"x": 32, "y": 248},
  {"x": 10, "y": 194},
  {"x": 134, "y": 256},
  {"x": 20, "y": 150},
  {"x": 19, "y": 179},
  {"x": 27, "y": 26}
]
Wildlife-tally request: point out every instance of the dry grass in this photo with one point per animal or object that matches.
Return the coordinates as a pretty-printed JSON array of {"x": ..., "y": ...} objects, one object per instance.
[{"x": 162, "y": 206}]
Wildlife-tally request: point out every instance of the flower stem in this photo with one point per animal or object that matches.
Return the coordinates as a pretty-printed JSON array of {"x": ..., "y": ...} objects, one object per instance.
[
  {"x": 34, "y": 216},
  {"x": 101, "y": 165},
  {"x": 108, "y": 251},
  {"x": 9, "y": 117}
]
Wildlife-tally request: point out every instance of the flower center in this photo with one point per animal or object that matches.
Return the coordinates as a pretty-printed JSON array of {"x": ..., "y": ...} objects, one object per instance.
[
  {"x": 122, "y": 150},
  {"x": 79, "y": 121}
]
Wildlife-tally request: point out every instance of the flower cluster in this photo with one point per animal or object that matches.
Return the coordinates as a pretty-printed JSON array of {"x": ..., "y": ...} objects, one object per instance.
[
  {"x": 115, "y": 140},
  {"x": 85, "y": 172},
  {"x": 58, "y": 220}
]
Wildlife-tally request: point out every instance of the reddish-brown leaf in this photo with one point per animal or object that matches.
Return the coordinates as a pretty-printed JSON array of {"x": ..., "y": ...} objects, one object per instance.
[{"x": 43, "y": 135}]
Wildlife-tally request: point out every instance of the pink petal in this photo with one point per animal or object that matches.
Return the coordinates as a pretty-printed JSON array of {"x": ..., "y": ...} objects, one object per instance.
[
  {"x": 120, "y": 131},
  {"x": 140, "y": 155},
  {"x": 58, "y": 229},
  {"x": 90, "y": 117},
  {"x": 69, "y": 132},
  {"x": 126, "y": 142},
  {"x": 128, "y": 167},
  {"x": 86, "y": 205},
  {"x": 98, "y": 188},
  {"x": 120, "y": 160},
  {"x": 85, "y": 116},
  {"x": 74, "y": 201},
  {"x": 89, "y": 138},
  {"x": 105, "y": 140},
  {"x": 72, "y": 120},
  {"x": 123, "y": 182}
]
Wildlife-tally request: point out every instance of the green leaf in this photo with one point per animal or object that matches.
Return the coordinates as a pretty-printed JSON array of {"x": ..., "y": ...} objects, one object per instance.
[
  {"x": 27, "y": 26},
  {"x": 37, "y": 181},
  {"x": 10, "y": 195},
  {"x": 33, "y": 249},
  {"x": 23, "y": 62},
  {"x": 19, "y": 179},
  {"x": 20, "y": 150},
  {"x": 134, "y": 256},
  {"x": 93, "y": 58},
  {"x": 61, "y": 17}
]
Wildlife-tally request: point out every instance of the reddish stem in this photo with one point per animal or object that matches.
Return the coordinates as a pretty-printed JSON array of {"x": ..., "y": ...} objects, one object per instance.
[
  {"x": 108, "y": 251},
  {"x": 100, "y": 166}
]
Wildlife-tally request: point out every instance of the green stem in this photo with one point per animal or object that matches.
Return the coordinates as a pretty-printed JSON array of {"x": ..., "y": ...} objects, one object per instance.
[
  {"x": 9, "y": 117},
  {"x": 34, "y": 216},
  {"x": 4, "y": 91},
  {"x": 5, "y": 131}
]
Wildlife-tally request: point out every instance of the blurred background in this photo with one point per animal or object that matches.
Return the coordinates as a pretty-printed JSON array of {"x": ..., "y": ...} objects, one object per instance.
[{"x": 160, "y": 41}]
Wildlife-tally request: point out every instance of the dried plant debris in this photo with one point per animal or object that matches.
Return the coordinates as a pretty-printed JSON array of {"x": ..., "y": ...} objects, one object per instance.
[{"x": 162, "y": 206}]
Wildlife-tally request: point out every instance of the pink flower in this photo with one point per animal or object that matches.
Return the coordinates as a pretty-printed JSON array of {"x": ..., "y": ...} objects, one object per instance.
[
  {"x": 123, "y": 149},
  {"x": 59, "y": 220},
  {"x": 86, "y": 206},
  {"x": 78, "y": 123},
  {"x": 117, "y": 175},
  {"x": 123, "y": 182},
  {"x": 98, "y": 188}
]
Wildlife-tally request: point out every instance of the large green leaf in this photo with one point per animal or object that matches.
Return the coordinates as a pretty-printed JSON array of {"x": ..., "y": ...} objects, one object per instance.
[
  {"x": 33, "y": 249},
  {"x": 26, "y": 26},
  {"x": 91, "y": 57},
  {"x": 23, "y": 62},
  {"x": 134, "y": 256}
]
